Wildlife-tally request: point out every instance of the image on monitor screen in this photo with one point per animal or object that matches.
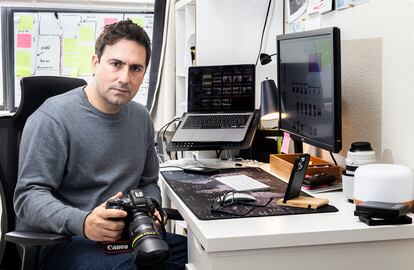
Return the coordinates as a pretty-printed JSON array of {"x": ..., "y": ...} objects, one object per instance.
[{"x": 309, "y": 81}]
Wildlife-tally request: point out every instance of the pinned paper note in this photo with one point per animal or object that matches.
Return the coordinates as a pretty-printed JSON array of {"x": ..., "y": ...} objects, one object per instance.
[
  {"x": 24, "y": 41},
  {"x": 286, "y": 142}
]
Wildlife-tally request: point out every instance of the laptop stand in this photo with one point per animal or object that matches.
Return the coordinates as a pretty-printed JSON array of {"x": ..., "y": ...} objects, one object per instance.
[{"x": 246, "y": 143}]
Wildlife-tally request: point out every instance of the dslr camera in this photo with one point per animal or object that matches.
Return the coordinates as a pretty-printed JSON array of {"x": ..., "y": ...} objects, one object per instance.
[{"x": 149, "y": 247}]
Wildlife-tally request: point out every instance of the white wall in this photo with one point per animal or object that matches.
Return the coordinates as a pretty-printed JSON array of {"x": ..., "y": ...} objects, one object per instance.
[
  {"x": 229, "y": 31},
  {"x": 378, "y": 50}
]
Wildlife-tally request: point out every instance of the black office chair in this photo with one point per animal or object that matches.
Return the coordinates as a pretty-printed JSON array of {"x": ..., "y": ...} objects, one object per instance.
[{"x": 35, "y": 90}]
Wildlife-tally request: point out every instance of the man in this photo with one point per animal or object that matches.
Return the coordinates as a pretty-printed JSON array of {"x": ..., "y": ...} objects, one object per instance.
[{"x": 86, "y": 146}]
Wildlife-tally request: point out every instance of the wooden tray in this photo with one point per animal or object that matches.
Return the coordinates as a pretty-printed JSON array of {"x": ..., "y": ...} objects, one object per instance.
[{"x": 282, "y": 164}]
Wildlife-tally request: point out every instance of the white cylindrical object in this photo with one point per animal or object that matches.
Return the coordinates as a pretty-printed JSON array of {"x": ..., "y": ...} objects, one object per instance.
[
  {"x": 384, "y": 183},
  {"x": 359, "y": 158},
  {"x": 348, "y": 186}
]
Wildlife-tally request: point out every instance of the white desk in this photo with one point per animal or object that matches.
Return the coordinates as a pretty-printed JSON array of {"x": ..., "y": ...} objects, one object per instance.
[{"x": 312, "y": 241}]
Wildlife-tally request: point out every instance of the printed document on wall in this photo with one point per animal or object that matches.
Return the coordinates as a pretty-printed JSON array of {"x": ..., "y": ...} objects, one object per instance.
[{"x": 296, "y": 9}]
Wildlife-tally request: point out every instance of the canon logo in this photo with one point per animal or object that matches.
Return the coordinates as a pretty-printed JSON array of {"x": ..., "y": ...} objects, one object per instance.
[{"x": 117, "y": 247}]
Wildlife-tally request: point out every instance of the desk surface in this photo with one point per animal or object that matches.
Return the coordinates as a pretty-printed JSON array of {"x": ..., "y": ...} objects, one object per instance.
[{"x": 287, "y": 231}]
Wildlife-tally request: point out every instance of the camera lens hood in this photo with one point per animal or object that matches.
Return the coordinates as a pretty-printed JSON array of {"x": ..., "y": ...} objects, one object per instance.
[
  {"x": 152, "y": 251},
  {"x": 360, "y": 146}
]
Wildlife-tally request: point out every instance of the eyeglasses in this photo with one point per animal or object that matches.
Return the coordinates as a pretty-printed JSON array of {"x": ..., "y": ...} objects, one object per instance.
[{"x": 222, "y": 203}]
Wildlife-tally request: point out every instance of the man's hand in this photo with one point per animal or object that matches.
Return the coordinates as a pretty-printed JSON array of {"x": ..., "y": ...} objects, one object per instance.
[
  {"x": 105, "y": 224},
  {"x": 156, "y": 222}
]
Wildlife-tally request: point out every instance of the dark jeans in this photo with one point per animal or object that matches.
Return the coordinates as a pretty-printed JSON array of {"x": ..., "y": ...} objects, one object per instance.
[{"x": 81, "y": 253}]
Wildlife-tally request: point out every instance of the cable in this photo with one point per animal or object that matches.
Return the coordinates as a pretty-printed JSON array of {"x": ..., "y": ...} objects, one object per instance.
[
  {"x": 166, "y": 125},
  {"x": 172, "y": 166},
  {"x": 165, "y": 130},
  {"x": 263, "y": 31},
  {"x": 333, "y": 158},
  {"x": 160, "y": 156},
  {"x": 165, "y": 140}
]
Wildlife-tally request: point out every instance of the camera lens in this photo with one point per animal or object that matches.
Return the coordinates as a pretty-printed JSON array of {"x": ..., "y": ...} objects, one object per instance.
[
  {"x": 149, "y": 248},
  {"x": 359, "y": 154}
]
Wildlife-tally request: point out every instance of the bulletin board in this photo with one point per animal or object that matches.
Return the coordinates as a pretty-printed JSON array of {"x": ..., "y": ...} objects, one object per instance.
[{"x": 60, "y": 43}]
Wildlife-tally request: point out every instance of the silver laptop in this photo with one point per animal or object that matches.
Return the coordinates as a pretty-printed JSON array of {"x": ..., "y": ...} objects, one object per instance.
[{"x": 220, "y": 104}]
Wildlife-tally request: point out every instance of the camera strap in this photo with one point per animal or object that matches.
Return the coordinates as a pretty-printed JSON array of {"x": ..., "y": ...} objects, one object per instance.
[{"x": 116, "y": 247}]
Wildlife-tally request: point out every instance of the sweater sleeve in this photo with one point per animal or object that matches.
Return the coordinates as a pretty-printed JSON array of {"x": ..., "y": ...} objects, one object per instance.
[
  {"x": 149, "y": 178},
  {"x": 42, "y": 158}
]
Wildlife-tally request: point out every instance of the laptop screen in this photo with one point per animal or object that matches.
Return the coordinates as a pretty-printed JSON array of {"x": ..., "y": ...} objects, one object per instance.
[{"x": 213, "y": 89}]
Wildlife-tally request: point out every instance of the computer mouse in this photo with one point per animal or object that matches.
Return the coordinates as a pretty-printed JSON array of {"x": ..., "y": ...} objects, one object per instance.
[
  {"x": 238, "y": 197},
  {"x": 201, "y": 170}
]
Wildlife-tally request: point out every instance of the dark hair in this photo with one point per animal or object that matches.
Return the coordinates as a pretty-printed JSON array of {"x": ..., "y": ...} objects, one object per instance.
[{"x": 127, "y": 29}]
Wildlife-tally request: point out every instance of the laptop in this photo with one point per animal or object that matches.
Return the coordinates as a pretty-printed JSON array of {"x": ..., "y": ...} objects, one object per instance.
[{"x": 220, "y": 104}]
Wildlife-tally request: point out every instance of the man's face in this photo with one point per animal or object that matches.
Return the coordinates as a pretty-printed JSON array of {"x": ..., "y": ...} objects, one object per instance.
[{"x": 118, "y": 75}]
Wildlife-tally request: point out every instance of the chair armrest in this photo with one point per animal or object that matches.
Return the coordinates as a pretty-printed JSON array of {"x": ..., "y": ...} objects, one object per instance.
[
  {"x": 30, "y": 242},
  {"x": 30, "y": 238},
  {"x": 173, "y": 214}
]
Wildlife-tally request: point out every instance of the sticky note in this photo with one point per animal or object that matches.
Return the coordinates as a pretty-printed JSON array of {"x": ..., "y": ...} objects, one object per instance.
[
  {"x": 23, "y": 63},
  {"x": 110, "y": 21},
  {"x": 25, "y": 23},
  {"x": 75, "y": 72},
  {"x": 24, "y": 41},
  {"x": 86, "y": 33},
  {"x": 70, "y": 45},
  {"x": 139, "y": 21},
  {"x": 85, "y": 60},
  {"x": 70, "y": 60},
  {"x": 285, "y": 143}
]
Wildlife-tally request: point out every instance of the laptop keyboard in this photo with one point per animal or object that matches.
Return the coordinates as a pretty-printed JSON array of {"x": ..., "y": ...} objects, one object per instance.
[{"x": 215, "y": 121}]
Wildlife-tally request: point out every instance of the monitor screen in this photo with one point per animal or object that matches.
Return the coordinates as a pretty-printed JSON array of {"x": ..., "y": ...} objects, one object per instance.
[
  {"x": 309, "y": 81},
  {"x": 227, "y": 88}
]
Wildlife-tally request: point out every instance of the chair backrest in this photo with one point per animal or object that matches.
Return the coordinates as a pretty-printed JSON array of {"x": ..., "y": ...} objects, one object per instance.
[{"x": 34, "y": 90}]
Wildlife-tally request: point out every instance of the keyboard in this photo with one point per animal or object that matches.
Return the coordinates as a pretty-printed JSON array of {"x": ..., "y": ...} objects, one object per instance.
[
  {"x": 216, "y": 121},
  {"x": 242, "y": 183}
]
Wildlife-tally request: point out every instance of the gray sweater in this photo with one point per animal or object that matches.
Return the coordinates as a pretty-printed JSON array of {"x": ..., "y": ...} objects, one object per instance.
[{"x": 74, "y": 157}]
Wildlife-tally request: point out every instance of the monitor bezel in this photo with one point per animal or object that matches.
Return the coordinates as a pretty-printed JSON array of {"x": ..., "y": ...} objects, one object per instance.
[{"x": 336, "y": 143}]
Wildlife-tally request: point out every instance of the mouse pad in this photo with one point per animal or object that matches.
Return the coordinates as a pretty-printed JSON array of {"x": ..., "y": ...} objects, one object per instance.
[{"x": 198, "y": 192}]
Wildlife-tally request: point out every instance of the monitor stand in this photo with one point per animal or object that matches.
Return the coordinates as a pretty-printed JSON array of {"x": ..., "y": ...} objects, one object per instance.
[{"x": 298, "y": 146}]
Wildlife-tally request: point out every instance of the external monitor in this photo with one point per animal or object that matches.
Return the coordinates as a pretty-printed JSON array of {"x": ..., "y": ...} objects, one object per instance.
[{"x": 309, "y": 81}]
